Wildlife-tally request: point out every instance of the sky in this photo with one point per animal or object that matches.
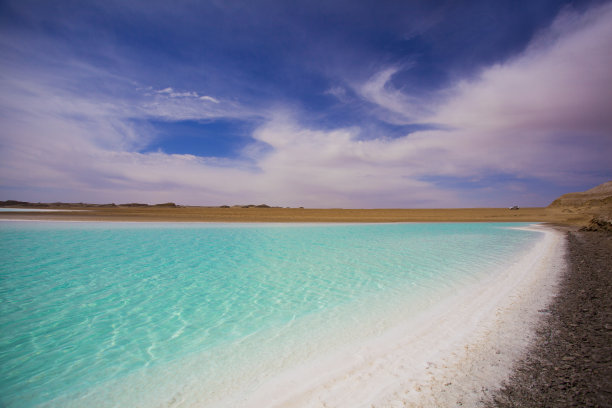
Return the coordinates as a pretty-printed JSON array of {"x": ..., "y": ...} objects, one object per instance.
[{"x": 321, "y": 104}]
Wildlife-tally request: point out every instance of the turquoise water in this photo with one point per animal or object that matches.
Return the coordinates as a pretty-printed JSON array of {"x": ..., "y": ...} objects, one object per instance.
[{"x": 92, "y": 312}]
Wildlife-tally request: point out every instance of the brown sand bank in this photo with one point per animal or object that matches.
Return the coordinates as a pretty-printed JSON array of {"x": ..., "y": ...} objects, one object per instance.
[{"x": 216, "y": 214}]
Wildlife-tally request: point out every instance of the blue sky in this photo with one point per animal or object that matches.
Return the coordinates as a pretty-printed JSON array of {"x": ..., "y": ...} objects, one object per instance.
[{"x": 379, "y": 104}]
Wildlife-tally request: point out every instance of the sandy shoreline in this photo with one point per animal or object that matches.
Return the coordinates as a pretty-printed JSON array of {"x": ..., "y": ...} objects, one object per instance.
[{"x": 455, "y": 354}]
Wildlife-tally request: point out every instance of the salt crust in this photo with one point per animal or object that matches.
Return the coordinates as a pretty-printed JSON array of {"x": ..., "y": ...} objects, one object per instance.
[
  {"x": 451, "y": 355},
  {"x": 454, "y": 355}
]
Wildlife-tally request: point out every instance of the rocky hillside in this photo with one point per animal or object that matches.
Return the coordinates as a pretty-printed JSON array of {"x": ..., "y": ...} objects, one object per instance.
[
  {"x": 599, "y": 196},
  {"x": 596, "y": 202}
]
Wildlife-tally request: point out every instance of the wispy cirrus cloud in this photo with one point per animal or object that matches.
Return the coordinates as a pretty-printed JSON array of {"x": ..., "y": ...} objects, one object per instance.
[
  {"x": 562, "y": 82},
  {"x": 541, "y": 115},
  {"x": 186, "y": 105},
  {"x": 186, "y": 94},
  {"x": 544, "y": 113},
  {"x": 396, "y": 106}
]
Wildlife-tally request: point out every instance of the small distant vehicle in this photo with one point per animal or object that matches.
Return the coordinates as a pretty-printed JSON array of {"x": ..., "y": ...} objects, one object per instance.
[{"x": 514, "y": 207}]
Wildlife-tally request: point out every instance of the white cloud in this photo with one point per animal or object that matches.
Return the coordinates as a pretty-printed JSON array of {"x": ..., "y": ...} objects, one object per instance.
[
  {"x": 339, "y": 92},
  {"x": 171, "y": 93},
  {"x": 564, "y": 83},
  {"x": 172, "y": 105},
  {"x": 397, "y": 107},
  {"x": 209, "y": 98},
  {"x": 544, "y": 114}
]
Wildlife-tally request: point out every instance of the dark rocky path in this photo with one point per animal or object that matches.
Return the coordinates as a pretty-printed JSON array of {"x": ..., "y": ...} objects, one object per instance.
[{"x": 570, "y": 364}]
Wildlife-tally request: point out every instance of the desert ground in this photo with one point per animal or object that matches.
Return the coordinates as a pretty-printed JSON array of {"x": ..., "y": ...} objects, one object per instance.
[{"x": 256, "y": 214}]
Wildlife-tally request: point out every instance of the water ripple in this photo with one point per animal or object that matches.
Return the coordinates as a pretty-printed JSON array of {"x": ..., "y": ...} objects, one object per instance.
[{"x": 84, "y": 304}]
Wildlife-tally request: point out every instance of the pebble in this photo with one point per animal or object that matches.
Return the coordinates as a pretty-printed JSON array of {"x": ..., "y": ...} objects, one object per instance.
[{"x": 575, "y": 338}]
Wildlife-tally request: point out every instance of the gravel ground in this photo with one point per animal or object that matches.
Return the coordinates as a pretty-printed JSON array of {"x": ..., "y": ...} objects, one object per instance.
[{"x": 570, "y": 363}]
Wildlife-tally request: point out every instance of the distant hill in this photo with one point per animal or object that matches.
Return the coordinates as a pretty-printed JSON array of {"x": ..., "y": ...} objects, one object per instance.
[
  {"x": 595, "y": 202},
  {"x": 600, "y": 196},
  {"x": 25, "y": 204}
]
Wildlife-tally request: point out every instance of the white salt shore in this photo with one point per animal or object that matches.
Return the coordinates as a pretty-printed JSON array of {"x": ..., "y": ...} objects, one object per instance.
[
  {"x": 451, "y": 354},
  {"x": 454, "y": 355}
]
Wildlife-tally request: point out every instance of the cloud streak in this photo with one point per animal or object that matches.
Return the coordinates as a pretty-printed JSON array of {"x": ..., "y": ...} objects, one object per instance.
[
  {"x": 187, "y": 94},
  {"x": 544, "y": 113}
]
